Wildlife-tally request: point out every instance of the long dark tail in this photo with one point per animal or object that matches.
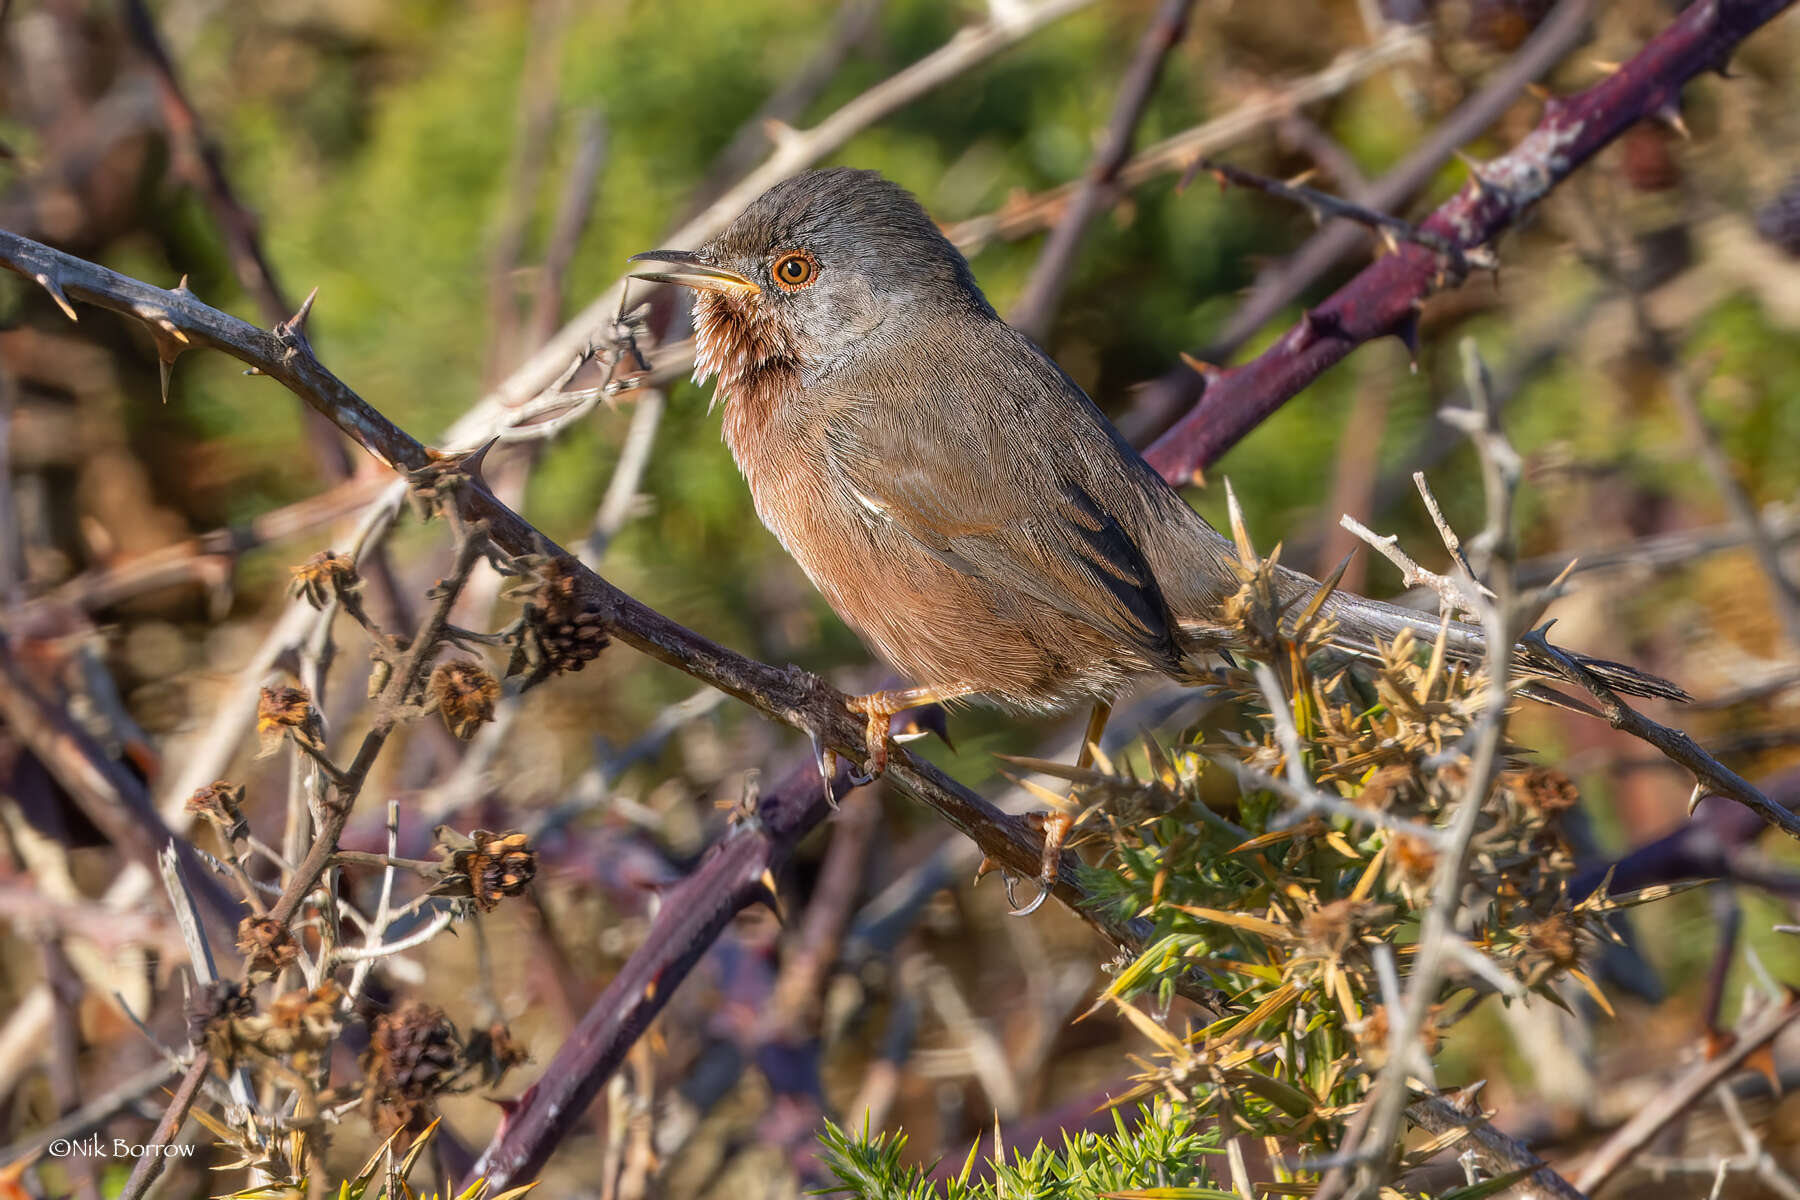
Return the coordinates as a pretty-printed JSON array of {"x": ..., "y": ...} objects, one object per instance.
[{"x": 1362, "y": 622}]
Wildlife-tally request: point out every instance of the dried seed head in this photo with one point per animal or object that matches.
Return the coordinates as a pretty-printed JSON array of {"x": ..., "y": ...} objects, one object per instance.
[
  {"x": 557, "y": 632},
  {"x": 211, "y": 1010},
  {"x": 1554, "y": 942},
  {"x": 266, "y": 944},
  {"x": 464, "y": 694},
  {"x": 325, "y": 577},
  {"x": 414, "y": 1053},
  {"x": 1544, "y": 791},
  {"x": 221, "y": 803},
  {"x": 298, "y": 1023},
  {"x": 484, "y": 866}
]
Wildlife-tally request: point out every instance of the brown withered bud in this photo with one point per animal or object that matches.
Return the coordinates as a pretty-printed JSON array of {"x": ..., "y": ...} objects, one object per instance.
[
  {"x": 282, "y": 710},
  {"x": 1544, "y": 791},
  {"x": 221, "y": 803},
  {"x": 556, "y": 633},
  {"x": 1372, "y": 1037},
  {"x": 464, "y": 694},
  {"x": 266, "y": 944},
  {"x": 483, "y": 866},
  {"x": 414, "y": 1053},
  {"x": 324, "y": 577},
  {"x": 493, "y": 1052}
]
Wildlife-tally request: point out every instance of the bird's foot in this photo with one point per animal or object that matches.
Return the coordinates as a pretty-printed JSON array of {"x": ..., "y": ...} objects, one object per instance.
[
  {"x": 1056, "y": 827},
  {"x": 878, "y": 708}
]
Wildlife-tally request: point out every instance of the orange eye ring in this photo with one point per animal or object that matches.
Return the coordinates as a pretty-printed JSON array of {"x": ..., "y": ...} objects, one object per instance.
[{"x": 794, "y": 270}]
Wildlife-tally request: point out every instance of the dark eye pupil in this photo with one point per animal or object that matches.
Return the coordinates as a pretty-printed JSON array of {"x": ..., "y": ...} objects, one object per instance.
[{"x": 793, "y": 269}]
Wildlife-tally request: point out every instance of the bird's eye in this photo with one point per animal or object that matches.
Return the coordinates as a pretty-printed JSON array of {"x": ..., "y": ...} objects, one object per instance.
[{"x": 795, "y": 270}]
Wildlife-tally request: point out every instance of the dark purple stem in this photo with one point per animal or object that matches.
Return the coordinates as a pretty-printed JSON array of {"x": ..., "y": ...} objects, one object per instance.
[{"x": 1384, "y": 299}]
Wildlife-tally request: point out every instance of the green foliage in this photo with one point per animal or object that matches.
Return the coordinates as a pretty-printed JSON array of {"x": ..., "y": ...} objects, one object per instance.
[{"x": 1165, "y": 1153}]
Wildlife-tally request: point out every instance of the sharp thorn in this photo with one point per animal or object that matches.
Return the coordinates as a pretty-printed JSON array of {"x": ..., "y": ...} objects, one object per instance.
[{"x": 49, "y": 283}]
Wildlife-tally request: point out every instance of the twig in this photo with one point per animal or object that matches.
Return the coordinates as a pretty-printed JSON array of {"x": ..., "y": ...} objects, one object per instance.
[
  {"x": 150, "y": 1163},
  {"x": 1497, "y": 1153},
  {"x": 1037, "y": 304},
  {"x": 1020, "y": 218},
  {"x": 1324, "y": 206},
  {"x": 1672, "y": 1101},
  {"x": 1708, "y": 772},
  {"x": 1500, "y": 478},
  {"x": 1176, "y": 390},
  {"x": 1383, "y": 300}
]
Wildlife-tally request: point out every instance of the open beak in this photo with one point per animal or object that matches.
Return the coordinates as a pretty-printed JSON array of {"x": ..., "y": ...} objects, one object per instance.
[{"x": 693, "y": 273}]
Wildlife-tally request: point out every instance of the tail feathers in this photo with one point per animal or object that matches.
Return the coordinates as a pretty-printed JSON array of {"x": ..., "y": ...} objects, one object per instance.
[{"x": 1362, "y": 623}]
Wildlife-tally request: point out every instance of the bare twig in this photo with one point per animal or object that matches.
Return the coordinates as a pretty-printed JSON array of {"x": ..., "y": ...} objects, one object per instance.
[
  {"x": 1672, "y": 1101},
  {"x": 150, "y": 1163},
  {"x": 1036, "y": 306},
  {"x": 1383, "y": 300},
  {"x": 1176, "y": 390},
  {"x": 1020, "y": 218}
]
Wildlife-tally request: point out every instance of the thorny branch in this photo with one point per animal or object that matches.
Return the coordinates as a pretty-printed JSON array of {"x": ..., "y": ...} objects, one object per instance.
[{"x": 1384, "y": 299}]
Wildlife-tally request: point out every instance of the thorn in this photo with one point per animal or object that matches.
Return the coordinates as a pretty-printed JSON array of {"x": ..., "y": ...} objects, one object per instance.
[
  {"x": 1466, "y": 1099},
  {"x": 983, "y": 868},
  {"x": 183, "y": 288},
  {"x": 48, "y": 282},
  {"x": 1539, "y": 92},
  {"x": 296, "y": 324},
  {"x": 1475, "y": 176},
  {"x": 771, "y": 896},
  {"x": 1670, "y": 114},
  {"x": 166, "y": 368},
  {"x": 1407, "y": 330},
  {"x": 1696, "y": 796},
  {"x": 1606, "y": 66},
  {"x": 1239, "y": 534},
  {"x": 1388, "y": 241},
  {"x": 1203, "y": 369},
  {"x": 469, "y": 464},
  {"x": 1303, "y": 178}
]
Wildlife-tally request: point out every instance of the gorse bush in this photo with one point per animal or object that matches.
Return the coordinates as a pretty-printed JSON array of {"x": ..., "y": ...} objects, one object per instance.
[{"x": 1277, "y": 903}]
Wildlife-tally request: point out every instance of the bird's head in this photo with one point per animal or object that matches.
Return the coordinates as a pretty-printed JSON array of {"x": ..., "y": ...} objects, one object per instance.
[{"x": 820, "y": 268}]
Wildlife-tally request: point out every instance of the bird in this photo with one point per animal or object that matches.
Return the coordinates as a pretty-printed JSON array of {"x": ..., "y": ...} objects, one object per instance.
[{"x": 953, "y": 493}]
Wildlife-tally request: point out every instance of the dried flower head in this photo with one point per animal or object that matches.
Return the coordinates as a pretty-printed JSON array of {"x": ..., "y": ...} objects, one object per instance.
[
  {"x": 266, "y": 944},
  {"x": 414, "y": 1053},
  {"x": 464, "y": 694},
  {"x": 284, "y": 710},
  {"x": 557, "y": 632},
  {"x": 325, "y": 577},
  {"x": 1544, "y": 791},
  {"x": 484, "y": 866},
  {"x": 221, "y": 803}
]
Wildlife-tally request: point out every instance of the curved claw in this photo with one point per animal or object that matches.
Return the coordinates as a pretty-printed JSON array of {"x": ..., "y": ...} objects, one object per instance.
[
  {"x": 1012, "y": 901},
  {"x": 858, "y": 778}
]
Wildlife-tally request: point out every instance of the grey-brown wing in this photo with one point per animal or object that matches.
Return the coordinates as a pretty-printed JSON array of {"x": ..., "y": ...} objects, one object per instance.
[{"x": 1017, "y": 515}]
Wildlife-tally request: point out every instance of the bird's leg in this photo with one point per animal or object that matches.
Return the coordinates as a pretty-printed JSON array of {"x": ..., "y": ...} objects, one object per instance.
[
  {"x": 880, "y": 707},
  {"x": 1058, "y": 825}
]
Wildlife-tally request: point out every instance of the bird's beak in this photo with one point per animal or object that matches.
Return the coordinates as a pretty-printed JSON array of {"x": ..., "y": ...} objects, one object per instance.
[{"x": 694, "y": 273}]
